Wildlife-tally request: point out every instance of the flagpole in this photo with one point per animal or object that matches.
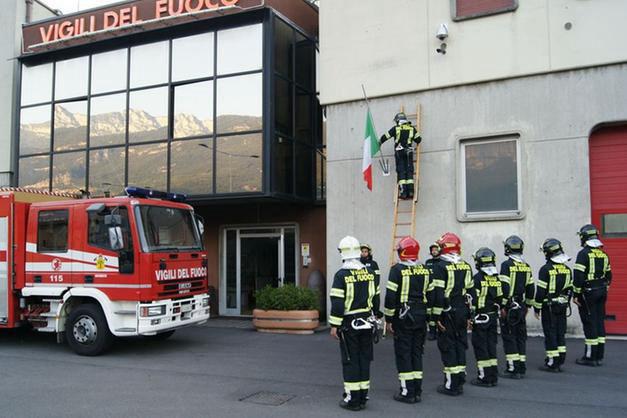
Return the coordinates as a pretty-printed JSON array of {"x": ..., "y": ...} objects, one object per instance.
[{"x": 381, "y": 161}]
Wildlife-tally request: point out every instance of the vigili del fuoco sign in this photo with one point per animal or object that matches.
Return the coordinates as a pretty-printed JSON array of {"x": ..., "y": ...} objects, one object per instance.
[{"x": 117, "y": 16}]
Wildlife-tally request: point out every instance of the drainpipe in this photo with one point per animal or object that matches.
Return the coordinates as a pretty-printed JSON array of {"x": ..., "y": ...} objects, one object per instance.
[{"x": 29, "y": 10}]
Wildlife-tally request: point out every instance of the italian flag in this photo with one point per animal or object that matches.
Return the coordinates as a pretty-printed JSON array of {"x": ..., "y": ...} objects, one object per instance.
[{"x": 371, "y": 147}]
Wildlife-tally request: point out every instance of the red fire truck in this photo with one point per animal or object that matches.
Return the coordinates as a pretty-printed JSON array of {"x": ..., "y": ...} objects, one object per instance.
[{"x": 91, "y": 270}]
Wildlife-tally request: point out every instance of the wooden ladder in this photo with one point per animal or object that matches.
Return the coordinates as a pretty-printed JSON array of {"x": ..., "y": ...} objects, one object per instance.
[{"x": 405, "y": 210}]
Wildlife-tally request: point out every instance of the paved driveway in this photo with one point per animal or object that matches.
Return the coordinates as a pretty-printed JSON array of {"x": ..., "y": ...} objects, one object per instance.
[{"x": 205, "y": 371}]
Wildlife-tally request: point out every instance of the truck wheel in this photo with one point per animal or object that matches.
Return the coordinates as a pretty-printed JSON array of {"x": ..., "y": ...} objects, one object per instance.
[
  {"x": 162, "y": 336},
  {"x": 87, "y": 331}
]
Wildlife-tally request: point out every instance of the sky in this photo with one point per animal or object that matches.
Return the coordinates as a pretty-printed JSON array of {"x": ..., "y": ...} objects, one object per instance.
[{"x": 69, "y": 6}]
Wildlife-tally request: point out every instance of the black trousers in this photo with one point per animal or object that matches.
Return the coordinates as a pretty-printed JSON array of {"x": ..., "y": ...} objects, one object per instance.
[
  {"x": 554, "y": 329},
  {"x": 405, "y": 169},
  {"x": 356, "y": 347},
  {"x": 453, "y": 343},
  {"x": 514, "y": 335},
  {"x": 408, "y": 350},
  {"x": 484, "y": 340},
  {"x": 592, "y": 314}
]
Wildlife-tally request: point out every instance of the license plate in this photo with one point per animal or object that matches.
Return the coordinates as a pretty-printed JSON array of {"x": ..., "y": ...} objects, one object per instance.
[{"x": 186, "y": 308}]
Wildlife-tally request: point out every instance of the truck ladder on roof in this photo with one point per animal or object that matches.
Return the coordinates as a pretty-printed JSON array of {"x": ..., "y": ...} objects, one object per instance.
[{"x": 404, "y": 223}]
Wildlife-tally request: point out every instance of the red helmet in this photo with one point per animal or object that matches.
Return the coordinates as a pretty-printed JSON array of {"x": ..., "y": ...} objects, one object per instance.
[
  {"x": 408, "y": 249},
  {"x": 450, "y": 243}
]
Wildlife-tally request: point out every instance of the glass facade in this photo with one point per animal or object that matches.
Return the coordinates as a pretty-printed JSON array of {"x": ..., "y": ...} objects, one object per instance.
[{"x": 187, "y": 114}]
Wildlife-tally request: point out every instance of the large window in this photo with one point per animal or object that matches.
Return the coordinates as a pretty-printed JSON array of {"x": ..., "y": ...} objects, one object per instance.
[
  {"x": 490, "y": 173},
  {"x": 295, "y": 113},
  {"x": 155, "y": 115},
  {"x": 184, "y": 114}
]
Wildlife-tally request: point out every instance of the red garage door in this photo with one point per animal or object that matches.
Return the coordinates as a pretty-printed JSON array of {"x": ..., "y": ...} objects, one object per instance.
[{"x": 608, "y": 188}]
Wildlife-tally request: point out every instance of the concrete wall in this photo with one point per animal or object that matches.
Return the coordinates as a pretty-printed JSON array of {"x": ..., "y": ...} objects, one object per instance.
[
  {"x": 11, "y": 19},
  {"x": 554, "y": 122},
  {"x": 390, "y": 46}
]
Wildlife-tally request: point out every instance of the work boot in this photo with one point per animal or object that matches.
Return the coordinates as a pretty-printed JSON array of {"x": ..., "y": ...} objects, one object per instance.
[
  {"x": 352, "y": 401},
  {"x": 349, "y": 406},
  {"x": 431, "y": 336},
  {"x": 450, "y": 392},
  {"x": 546, "y": 368},
  {"x": 510, "y": 374},
  {"x": 481, "y": 382},
  {"x": 405, "y": 399},
  {"x": 520, "y": 368},
  {"x": 600, "y": 354},
  {"x": 364, "y": 398},
  {"x": 410, "y": 191},
  {"x": 584, "y": 361}
]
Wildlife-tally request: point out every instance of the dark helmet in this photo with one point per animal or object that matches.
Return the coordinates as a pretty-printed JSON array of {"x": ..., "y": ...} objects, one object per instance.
[
  {"x": 399, "y": 117},
  {"x": 552, "y": 247},
  {"x": 513, "y": 245},
  {"x": 587, "y": 232},
  {"x": 484, "y": 257}
]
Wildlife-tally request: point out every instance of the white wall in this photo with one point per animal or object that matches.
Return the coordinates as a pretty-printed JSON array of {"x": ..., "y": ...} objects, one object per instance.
[
  {"x": 390, "y": 45},
  {"x": 554, "y": 123}
]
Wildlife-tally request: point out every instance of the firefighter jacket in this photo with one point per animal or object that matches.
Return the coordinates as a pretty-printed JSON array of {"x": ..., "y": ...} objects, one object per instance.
[
  {"x": 518, "y": 277},
  {"x": 371, "y": 264},
  {"x": 592, "y": 269},
  {"x": 355, "y": 292},
  {"x": 430, "y": 262},
  {"x": 488, "y": 293},
  {"x": 554, "y": 285},
  {"x": 451, "y": 283},
  {"x": 408, "y": 287},
  {"x": 404, "y": 136}
]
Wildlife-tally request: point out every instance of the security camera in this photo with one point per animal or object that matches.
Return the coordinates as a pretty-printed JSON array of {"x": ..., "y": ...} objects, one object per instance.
[{"x": 442, "y": 33}]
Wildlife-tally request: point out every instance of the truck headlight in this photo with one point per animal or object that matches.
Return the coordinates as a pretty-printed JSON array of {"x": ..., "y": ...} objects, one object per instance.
[
  {"x": 205, "y": 302},
  {"x": 156, "y": 310}
]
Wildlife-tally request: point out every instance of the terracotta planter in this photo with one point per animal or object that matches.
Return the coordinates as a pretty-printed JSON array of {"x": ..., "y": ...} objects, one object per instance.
[{"x": 285, "y": 322}]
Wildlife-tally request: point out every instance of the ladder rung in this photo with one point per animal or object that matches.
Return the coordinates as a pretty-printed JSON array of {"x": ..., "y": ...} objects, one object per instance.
[
  {"x": 403, "y": 223},
  {"x": 405, "y": 211}
]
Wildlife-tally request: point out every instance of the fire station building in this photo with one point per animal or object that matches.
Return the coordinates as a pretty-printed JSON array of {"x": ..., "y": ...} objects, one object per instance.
[
  {"x": 523, "y": 120},
  {"x": 213, "y": 98}
]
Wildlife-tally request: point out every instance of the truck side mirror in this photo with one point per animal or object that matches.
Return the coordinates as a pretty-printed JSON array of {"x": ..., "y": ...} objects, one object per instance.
[
  {"x": 201, "y": 225},
  {"x": 115, "y": 238}
]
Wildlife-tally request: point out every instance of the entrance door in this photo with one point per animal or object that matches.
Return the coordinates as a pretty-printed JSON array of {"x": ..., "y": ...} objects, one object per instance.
[
  {"x": 608, "y": 182},
  {"x": 252, "y": 259}
]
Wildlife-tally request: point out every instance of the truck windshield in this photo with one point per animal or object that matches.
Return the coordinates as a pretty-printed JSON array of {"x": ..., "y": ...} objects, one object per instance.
[{"x": 167, "y": 229}]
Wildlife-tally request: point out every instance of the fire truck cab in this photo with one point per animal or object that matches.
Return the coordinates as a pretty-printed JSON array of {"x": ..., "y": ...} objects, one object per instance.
[{"x": 95, "y": 269}]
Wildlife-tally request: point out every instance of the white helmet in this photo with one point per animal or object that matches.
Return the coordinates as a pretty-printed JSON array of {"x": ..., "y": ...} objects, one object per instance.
[{"x": 349, "y": 248}]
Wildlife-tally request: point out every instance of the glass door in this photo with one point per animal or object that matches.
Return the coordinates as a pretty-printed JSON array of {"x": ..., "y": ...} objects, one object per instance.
[{"x": 252, "y": 259}]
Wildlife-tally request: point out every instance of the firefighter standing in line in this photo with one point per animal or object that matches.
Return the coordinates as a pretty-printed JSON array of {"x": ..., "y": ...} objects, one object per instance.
[
  {"x": 407, "y": 301},
  {"x": 366, "y": 259},
  {"x": 452, "y": 277},
  {"x": 355, "y": 297},
  {"x": 487, "y": 297},
  {"x": 404, "y": 134},
  {"x": 518, "y": 276},
  {"x": 593, "y": 276},
  {"x": 434, "y": 250},
  {"x": 552, "y": 300}
]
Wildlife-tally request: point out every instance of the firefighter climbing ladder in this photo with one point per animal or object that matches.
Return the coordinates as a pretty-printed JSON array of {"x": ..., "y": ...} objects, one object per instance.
[{"x": 405, "y": 210}]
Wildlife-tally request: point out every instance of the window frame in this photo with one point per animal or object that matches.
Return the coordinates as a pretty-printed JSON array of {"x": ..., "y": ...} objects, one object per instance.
[
  {"x": 462, "y": 213},
  {"x": 456, "y": 18}
]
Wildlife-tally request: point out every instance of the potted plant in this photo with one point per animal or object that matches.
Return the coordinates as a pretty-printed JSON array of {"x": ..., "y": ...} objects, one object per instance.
[{"x": 287, "y": 310}]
